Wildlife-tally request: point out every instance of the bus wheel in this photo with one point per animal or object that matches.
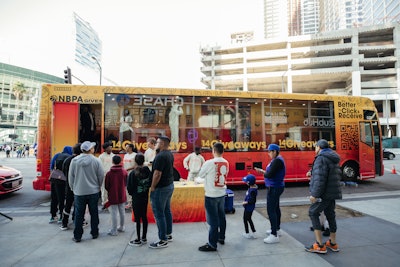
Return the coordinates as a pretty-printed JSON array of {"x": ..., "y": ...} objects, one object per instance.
[
  {"x": 350, "y": 171},
  {"x": 177, "y": 177}
]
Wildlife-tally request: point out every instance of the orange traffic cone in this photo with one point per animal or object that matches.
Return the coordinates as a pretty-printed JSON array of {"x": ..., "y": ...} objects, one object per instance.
[{"x": 394, "y": 170}]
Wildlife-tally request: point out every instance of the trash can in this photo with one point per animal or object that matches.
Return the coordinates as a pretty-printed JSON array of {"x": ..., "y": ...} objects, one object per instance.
[{"x": 229, "y": 201}]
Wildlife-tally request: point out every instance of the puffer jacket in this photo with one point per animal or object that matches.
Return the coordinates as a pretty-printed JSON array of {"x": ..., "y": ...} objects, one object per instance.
[{"x": 326, "y": 175}]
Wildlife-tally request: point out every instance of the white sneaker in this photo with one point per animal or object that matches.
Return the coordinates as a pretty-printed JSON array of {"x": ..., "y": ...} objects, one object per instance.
[
  {"x": 249, "y": 235},
  {"x": 279, "y": 232},
  {"x": 271, "y": 239}
]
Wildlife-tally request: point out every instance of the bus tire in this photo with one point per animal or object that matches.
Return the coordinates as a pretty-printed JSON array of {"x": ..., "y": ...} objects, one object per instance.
[
  {"x": 177, "y": 176},
  {"x": 350, "y": 171}
]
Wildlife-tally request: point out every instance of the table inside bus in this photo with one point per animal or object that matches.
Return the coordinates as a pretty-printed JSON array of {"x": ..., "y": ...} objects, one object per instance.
[{"x": 187, "y": 203}]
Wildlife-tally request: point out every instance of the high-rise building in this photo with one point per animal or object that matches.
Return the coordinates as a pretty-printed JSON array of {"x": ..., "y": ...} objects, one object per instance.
[
  {"x": 310, "y": 16},
  {"x": 87, "y": 44},
  {"x": 383, "y": 11},
  {"x": 275, "y": 19}
]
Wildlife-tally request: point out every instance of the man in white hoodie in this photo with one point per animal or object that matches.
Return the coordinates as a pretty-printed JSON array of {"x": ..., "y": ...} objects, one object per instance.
[
  {"x": 85, "y": 178},
  {"x": 213, "y": 174}
]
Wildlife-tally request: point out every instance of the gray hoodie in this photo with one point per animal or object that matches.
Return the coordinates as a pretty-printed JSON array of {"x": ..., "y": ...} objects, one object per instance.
[{"x": 85, "y": 175}]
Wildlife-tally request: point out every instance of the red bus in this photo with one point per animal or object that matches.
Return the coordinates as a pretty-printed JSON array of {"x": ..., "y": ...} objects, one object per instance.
[{"x": 245, "y": 122}]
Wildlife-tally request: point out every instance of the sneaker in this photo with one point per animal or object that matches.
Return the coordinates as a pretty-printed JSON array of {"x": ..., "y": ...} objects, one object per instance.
[
  {"x": 95, "y": 236},
  {"x": 331, "y": 246},
  {"x": 144, "y": 240},
  {"x": 85, "y": 224},
  {"x": 135, "y": 242},
  {"x": 53, "y": 219},
  {"x": 249, "y": 235},
  {"x": 121, "y": 229},
  {"x": 279, "y": 232},
  {"x": 76, "y": 240},
  {"x": 316, "y": 248},
  {"x": 221, "y": 241},
  {"x": 271, "y": 239},
  {"x": 159, "y": 244},
  {"x": 207, "y": 248},
  {"x": 111, "y": 233},
  {"x": 59, "y": 221},
  {"x": 63, "y": 227},
  {"x": 169, "y": 238}
]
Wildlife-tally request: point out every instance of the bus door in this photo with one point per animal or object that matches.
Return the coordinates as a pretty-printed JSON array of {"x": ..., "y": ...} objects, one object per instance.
[
  {"x": 65, "y": 126},
  {"x": 366, "y": 150}
]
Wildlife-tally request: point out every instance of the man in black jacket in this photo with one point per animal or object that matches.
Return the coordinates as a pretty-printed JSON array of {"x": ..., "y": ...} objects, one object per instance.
[{"x": 324, "y": 189}]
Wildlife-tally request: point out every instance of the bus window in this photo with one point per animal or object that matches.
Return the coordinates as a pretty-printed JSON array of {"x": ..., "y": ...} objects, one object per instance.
[{"x": 366, "y": 133}]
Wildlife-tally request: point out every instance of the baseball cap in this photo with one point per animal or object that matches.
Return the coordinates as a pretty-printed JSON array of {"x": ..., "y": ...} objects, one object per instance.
[
  {"x": 273, "y": 147},
  {"x": 322, "y": 143},
  {"x": 87, "y": 145},
  {"x": 250, "y": 178}
]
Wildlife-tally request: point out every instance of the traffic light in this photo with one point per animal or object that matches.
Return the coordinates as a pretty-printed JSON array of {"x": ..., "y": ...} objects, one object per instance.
[
  {"x": 21, "y": 116},
  {"x": 67, "y": 75}
]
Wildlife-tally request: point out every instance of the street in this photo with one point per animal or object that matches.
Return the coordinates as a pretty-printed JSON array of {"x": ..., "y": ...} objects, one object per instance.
[{"x": 28, "y": 197}]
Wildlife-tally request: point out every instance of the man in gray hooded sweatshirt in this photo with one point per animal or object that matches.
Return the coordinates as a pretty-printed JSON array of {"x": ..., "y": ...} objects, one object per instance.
[{"x": 85, "y": 178}]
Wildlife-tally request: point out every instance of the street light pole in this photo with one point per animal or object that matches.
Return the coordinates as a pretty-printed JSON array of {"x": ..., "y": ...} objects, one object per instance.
[{"x": 94, "y": 58}]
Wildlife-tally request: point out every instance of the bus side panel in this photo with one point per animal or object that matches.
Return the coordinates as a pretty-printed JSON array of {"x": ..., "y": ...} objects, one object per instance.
[{"x": 65, "y": 126}]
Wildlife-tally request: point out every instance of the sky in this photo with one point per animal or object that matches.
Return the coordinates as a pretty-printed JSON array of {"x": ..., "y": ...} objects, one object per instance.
[{"x": 151, "y": 43}]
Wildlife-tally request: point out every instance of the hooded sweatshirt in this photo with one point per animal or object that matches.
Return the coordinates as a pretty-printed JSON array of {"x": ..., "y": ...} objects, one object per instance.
[
  {"x": 326, "y": 175},
  {"x": 85, "y": 175},
  {"x": 60, "y": 157}
]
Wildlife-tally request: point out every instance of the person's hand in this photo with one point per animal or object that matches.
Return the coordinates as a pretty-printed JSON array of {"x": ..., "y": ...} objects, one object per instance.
[
  {"x": 313, "y": 199},
  {"x": 259, "y": 170},
  {"x": 152, "y": 189}
]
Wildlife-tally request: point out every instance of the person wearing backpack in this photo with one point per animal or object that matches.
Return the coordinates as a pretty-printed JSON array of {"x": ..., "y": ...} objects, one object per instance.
[
  {"x": 138, "y": 187},
  {"x": 57, "y": 189}
]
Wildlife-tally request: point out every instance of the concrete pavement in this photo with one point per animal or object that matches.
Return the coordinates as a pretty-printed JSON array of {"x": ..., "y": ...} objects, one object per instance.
[{"x": 369, "y": 240}]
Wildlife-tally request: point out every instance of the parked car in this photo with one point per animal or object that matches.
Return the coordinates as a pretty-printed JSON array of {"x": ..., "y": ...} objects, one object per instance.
[
  {"x": 388, "y": 155},
  {"x": 10, "y": 180}
]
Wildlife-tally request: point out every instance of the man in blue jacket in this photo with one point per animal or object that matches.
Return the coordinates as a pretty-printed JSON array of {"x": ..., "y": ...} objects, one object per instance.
[{"x": 324, "y": 189}]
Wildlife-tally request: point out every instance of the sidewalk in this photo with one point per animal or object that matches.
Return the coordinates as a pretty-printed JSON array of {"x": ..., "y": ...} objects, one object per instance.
[{"x": 370, "y": 240}]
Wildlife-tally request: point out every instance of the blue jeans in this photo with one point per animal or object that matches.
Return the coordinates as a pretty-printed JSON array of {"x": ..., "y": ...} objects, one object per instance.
[
  {"x": 215, "y": 212},
  {"x": 161, "y": 204},
  {"x": 273, "y": 209},
  {"x": 80, "y": 207}
]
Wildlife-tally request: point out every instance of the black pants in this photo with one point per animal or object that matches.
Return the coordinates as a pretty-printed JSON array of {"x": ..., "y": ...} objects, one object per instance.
[
  {"x": 57, "y": 197},
  {"x": 326, "y": 206},
  {"x": 247, "y": 220},
  {"x": 140, "y": 212},
  {"x": 69, "y": 200}
]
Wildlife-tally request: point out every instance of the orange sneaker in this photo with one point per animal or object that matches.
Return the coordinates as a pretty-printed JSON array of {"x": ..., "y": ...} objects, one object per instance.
[
  {"x": 316, "y": 248},
  {"x": 331, "y": 246}
]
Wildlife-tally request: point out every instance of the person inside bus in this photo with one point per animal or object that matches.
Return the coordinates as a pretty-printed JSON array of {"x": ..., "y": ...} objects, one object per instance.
[
  {"x": 88, "y": 124},
  {"x": 176, "y": 111},
  {"x": 274, "y": 182},
  {"x": 193, "y": 163},
  {"x": 125, "y": 129}
]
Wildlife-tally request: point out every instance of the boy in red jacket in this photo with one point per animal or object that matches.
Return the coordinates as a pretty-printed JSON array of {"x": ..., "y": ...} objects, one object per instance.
[{"x": 115, "y": 184}]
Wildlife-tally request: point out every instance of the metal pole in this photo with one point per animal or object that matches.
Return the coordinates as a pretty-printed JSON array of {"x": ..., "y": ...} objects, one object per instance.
[{"x": 98, "y": 64}]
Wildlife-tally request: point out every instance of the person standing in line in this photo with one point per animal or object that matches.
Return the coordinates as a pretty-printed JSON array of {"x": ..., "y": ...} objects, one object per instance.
[
  {"x": 324, "y": 189},
  {"x": 57, "y": 186},
  {"x": 8, "y": 150},
  {"x": 129, "y": 165},
  {"x": 69, "y": 195},
  {"x": 115, "y": 184},
  {"x": 85, "y": 178},
  {"x": 213, "y": 174},
  {"x": 138, "y": 187},
  {"x": 150, "y": 152},
  {"x": 193, "y": 163},
  {"x": 106, "y": 161},
  {"x": 249, "y": 205},
  {"x": 161, "y": 190},
  {"x": 274, "y": 182}
]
